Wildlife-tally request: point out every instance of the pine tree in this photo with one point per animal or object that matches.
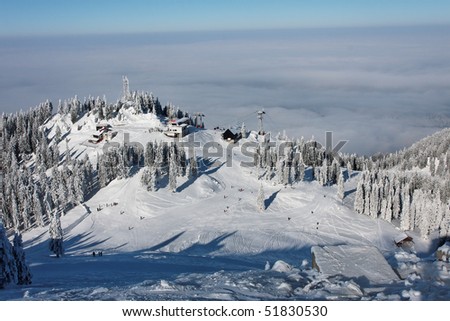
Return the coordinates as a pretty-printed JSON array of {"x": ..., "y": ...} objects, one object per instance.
[
  {"x": 388, "y": 212},
  {"x": 88, "y": 174},
  {"x": 182, "y": 161},
  {"x": 340, "y": 188},
  {"x": 287, "y": 173},
  {"x": 349, "y": 169},
  {"x": 193, "y": 168},
  {"x": 280, "y": 171},
  {"x": 37, "y": 207},
  {"x": 383, "y": 208},
  {"x": 23, "y": 271},
  {"x": 243, "y": 131},
  {"x": 15, "y": 214},
  {"x": 102, "y": 172},
  {"x": 67, "y": 154},
  {"x": 77, "y": 185},
  {"x": 27, "y": 212},
  {"x": 445, "y": 223},
  {"x": 260, "y": 201},
  {"x": 324, "y": 177},
  {"x": 146, "y": 178},
  {"x": 57, "y": 135},
  {"x": 172, "y": 173},
  {"x": 334, "y": 170},
  {"x": 396, "y": 202},
  {"x": 149, "y": 159},
  {"x": 360, "y": 196},
  {"x": 65, "y": 194},
  {"x": 153, "y": 179},
  {"x": 121, "y": 166},
  {"x": 56, "y": 235},
  {"x": 54, "y": 155},
  {"x": 405, "y": 218},
  {"x": 159, "y": 157},
  {"x": 374, "y": 201},
  {"x": 8, "y": 268},
  {"x": 432, "y": 164}
]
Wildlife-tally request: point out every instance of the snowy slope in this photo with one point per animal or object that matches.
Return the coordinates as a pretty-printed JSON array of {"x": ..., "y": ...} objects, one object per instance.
[{"x": 209, "y": 240}]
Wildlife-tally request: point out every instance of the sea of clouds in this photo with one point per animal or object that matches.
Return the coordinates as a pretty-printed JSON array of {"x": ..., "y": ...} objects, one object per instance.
[{"x": 380, "y": 88}]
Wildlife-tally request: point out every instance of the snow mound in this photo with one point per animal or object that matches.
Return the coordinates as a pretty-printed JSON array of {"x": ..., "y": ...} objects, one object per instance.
[
  {"x": 363, "y": 263},
  {"x": 281, "y": 266}
]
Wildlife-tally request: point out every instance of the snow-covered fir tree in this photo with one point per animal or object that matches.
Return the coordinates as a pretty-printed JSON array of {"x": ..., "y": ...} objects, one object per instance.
[
  {"x": 38, "y": 209},
  {"x": 56, "y": 235},
  {"x": 153, "y": 184},
  {"x": 360, "y": 196},
  {"x": 58, "y": 134},
  {"x": 243, "y": 131},
  {"x": 23, "y": 270},
  {"x": 173, "y": 170},
  {"x": 149, "y": 178},
  {"x": 375, "y": 202},
  {"x": 349, "y": 169},
  {"x": 405, "y": 219},
  {"x": 340, "y": 186},
  {"x": 8, "y": 268},
  {"x": 149, "y": 159},
  {"x": 193, "y": 168}
]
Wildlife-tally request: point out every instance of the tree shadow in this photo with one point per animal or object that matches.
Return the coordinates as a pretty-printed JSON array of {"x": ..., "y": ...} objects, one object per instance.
[
  {"x": 134, "y": 170},
  {"x": 207, "y": 248},
  {"x": 63, "y": 137},
  {"x": 210, "y": 165},
  {"x": 309, "y": 175},
  {"x": 163, "y": 181},
  {"x": 166, "y": 242},
  {"x": 85, "y": 241},
  {"x": 76, "y": 222},
  {"x": 349, "y": 192},
  {"x": 186, "y": 184},
  {"x": 270, "y": 199},
  {"x": 35, "y": 239},
  {"x": 81, "y": 242}
]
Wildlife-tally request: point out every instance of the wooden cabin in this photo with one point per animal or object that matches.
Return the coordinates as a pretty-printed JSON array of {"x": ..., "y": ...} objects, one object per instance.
[
  {"x": 403, "y": 240},
  {"x": 231, "y": 137}
]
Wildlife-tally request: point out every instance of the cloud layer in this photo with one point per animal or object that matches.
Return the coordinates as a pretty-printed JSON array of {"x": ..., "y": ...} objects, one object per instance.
[{"x": 381, "y": 89}]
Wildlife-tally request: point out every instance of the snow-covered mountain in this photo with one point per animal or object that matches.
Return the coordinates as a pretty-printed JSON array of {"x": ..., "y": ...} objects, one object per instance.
[{"x": 167, "y": 229}]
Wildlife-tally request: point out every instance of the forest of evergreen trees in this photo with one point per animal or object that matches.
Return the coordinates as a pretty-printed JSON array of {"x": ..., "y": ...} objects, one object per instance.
[
  {"x": 411, "y": 186},
  {"x": 41, "y": 181},
  {"x": 13, "y": 266}
]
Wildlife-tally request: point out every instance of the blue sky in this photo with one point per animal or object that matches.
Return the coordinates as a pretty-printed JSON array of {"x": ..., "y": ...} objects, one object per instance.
[{"x": 45, "y": 17}]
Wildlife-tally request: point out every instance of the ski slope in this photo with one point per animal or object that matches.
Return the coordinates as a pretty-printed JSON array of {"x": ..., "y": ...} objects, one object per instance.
[{"x": 209, "y": 240}]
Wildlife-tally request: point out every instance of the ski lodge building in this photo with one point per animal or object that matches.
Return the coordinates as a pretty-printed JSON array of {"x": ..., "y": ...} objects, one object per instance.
[
  {"x": 102, "y": 133},
  {"x": 177, "y": 127}
]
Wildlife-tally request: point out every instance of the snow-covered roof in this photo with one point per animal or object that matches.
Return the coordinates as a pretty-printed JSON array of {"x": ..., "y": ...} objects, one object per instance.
[
  {"x": 353, "y": 261},
  {"x": 401, "y": 237},
  {"x": 445, "y": 249},
  {"x": 179, "y": 121},
  {"x": 98, "y": 133}
]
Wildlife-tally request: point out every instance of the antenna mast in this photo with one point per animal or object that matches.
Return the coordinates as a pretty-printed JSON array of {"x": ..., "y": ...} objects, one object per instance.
[{"x": 260, "y": 119}]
